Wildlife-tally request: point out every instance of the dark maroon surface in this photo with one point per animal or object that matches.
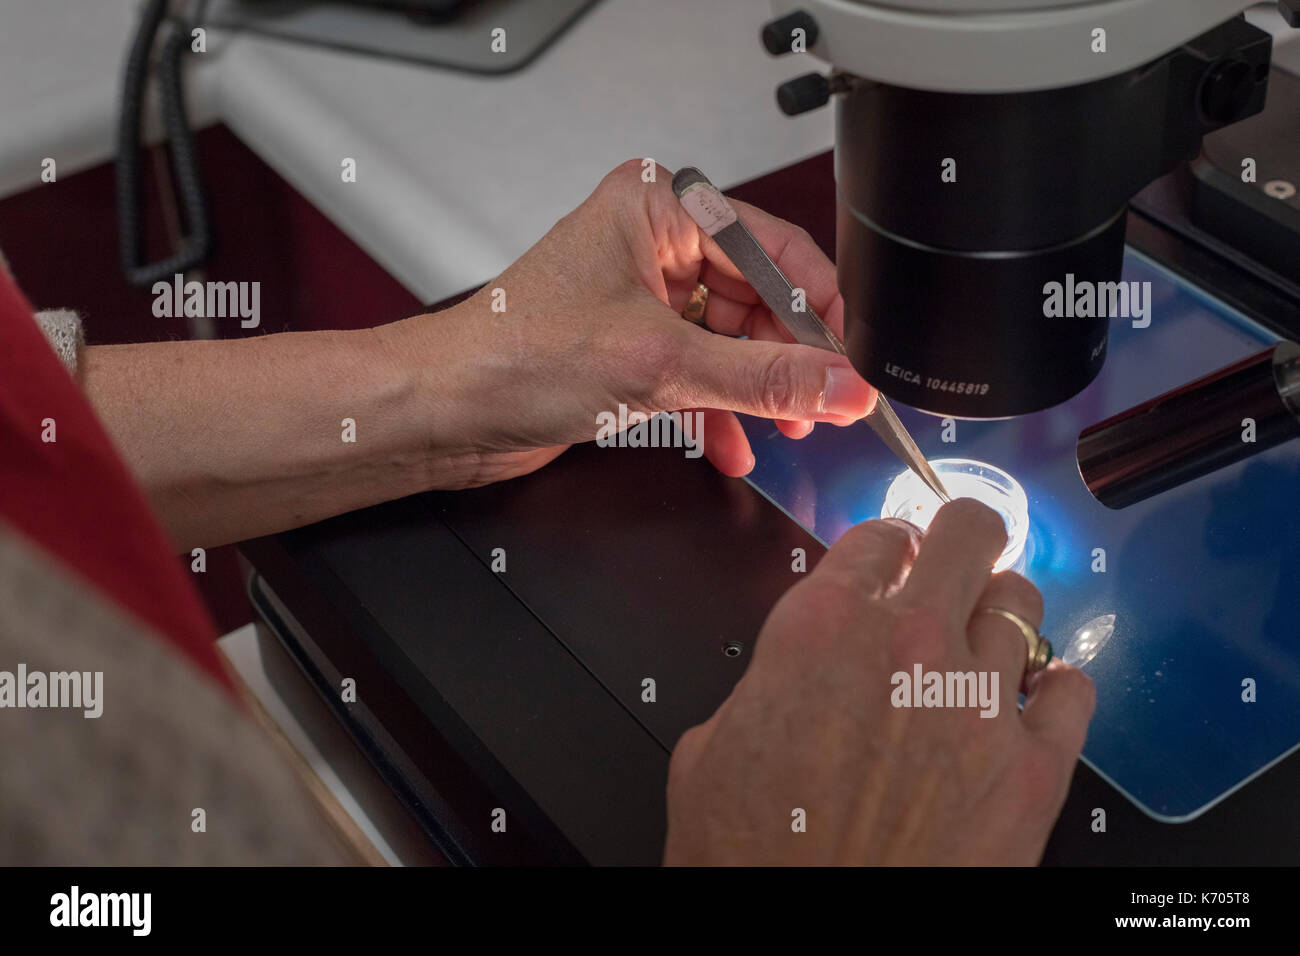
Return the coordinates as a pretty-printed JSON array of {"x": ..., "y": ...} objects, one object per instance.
[{"x": 803, "y": 193}]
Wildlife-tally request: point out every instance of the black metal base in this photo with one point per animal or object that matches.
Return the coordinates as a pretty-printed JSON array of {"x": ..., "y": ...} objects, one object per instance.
[{"x": 523, "y": 690}]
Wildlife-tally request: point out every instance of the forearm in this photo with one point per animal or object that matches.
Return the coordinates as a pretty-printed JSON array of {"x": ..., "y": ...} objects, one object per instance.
[{"x": 234, "y": 439}]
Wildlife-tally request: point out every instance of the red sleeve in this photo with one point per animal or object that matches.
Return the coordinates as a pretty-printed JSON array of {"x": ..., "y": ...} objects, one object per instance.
[{"x": 74, "y": 497}]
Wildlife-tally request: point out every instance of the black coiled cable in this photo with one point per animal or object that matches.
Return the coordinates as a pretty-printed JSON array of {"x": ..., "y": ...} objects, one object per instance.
[{"x": 196, "y": 245}]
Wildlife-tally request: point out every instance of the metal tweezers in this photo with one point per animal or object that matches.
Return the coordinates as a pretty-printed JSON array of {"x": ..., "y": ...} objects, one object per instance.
[{"x": 718, "y": 218}]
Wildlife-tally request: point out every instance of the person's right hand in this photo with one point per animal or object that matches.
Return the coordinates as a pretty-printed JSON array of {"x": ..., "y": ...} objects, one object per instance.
[
  {"x": 591, "y": 320},
  {"x": 811, "y": 726}
]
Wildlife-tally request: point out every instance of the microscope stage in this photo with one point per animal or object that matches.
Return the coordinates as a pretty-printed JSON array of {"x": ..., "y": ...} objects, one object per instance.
[{"x": 1184, "y": 609}]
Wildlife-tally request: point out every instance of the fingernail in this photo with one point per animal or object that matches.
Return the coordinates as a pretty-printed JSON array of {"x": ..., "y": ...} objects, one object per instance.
[
  {"x": 845, "y": 393},
  {"x": 914, "y": 530}
]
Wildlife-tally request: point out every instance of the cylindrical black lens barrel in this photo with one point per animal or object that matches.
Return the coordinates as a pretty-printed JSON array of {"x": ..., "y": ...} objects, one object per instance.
[
  {"x": 966, "y": 334},
  {"x": 1194, "y": 430},
  {"x": 956, "y": 211}
]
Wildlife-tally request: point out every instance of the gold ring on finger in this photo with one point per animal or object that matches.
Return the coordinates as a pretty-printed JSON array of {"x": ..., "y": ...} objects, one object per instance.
[
  {"x": 1038, "y": 649},
  {"x": 694, "y": 311}
]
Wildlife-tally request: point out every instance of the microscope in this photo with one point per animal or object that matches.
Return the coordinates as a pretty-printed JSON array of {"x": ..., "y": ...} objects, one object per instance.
[{"x": 986, "y": 152}]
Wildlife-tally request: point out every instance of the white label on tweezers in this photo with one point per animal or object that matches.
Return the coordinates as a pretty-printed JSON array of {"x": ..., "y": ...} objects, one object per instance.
[{"x": 708, "y": 207}]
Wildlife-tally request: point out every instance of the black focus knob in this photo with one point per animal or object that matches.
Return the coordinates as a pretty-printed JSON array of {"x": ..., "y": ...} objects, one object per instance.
[
  {"x": 1226, "y": 90},
  {"x": 803, "y": 93},
  {"x": 778, "y": 36}
]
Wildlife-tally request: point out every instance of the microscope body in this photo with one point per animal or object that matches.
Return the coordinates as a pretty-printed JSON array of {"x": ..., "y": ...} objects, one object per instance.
[{"x": 985, "y": 154}]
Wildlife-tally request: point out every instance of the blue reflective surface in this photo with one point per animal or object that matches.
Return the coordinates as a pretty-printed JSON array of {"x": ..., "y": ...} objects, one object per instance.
[{"x": 1203, "y": 580}]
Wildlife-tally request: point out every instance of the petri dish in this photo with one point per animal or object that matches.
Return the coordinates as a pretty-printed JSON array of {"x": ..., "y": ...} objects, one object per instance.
[{"x": 910, "y": 499}]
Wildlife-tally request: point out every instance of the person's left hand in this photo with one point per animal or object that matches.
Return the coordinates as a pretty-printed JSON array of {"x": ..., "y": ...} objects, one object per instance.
[{"x": 590, "y": 318}]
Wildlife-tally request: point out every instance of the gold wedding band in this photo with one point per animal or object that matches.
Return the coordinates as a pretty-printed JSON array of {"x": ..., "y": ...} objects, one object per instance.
[
  {"x": 694, "y": 311},
  {"x": 1038, "y": 648}
]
